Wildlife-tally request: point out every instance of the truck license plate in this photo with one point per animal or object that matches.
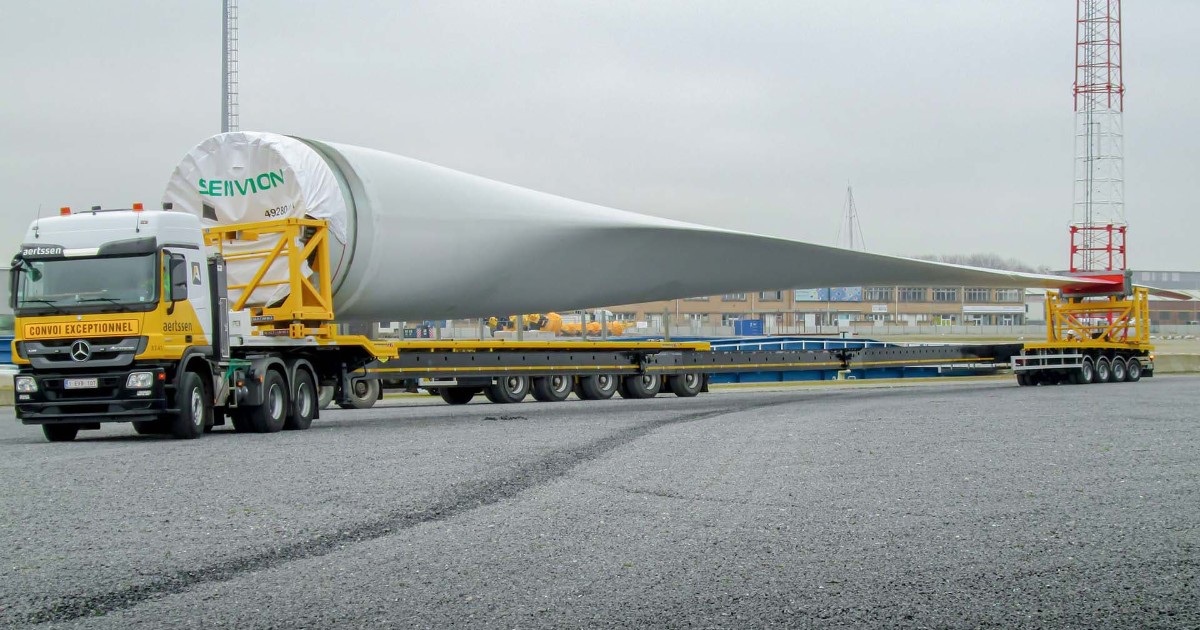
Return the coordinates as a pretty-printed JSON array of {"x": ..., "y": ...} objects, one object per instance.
[{"x": 81, "y": 383}]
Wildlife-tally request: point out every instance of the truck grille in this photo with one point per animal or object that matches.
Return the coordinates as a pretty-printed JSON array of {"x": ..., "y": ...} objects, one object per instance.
[{"x": 104, "y": 352}]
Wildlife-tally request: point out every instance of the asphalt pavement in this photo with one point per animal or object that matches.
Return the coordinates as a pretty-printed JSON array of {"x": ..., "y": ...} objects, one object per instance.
[{"x": 961, "y": 505}]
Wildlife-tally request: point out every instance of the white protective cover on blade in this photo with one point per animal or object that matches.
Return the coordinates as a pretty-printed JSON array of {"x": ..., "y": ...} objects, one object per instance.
[{"x": 244, "y": 177}]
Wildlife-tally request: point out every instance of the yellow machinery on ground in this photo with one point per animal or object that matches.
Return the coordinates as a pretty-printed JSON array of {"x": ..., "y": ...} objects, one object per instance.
[{"x": 553, "y": 323}]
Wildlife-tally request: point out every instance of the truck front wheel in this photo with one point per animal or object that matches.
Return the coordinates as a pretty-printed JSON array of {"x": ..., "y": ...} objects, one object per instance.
[
  {"x": 60, "y": 432},
  {"x": 194, "y": 408}
]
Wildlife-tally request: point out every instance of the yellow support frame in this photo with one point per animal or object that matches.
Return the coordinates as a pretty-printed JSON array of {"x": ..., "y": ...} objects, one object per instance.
[
  {"x": 1112, "y": 322},
  {"x": 308, "y": 307}
]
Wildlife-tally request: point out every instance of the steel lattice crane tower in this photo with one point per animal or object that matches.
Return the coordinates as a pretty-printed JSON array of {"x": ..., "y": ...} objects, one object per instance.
[
  {"x": 229, "y": 66},
  {"x": 1098, "y": 222},
  {"x": 1098, "y": 332}
]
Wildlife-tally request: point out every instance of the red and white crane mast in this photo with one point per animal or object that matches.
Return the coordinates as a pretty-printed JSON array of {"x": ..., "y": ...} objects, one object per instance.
[{"x": 1098, "y": 224}]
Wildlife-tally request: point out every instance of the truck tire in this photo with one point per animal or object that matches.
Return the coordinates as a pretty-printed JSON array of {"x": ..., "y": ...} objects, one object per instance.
[
  {"x": 326, "y": 397},
  {"x": 1085, "y": 373},
  {"x": 151, "y": 427},
  {"x": 457, "y": 395},
  {"x": 686, "y": 385},
  {"x": 1133, "y": 370},
  {"x": 304, "y": 402},
  {"x": 552, "y": 388},
  {"x": 597, "y": 386},
  {"x": 271, "y": 414},
  {"x": 638, "y": 386},
  {"x": 1118, "y": 370},
  {"x": 194, "y": 408},
  {"x": 1022, "y": 379},
  {"x": 508, "y": 389},
  {"x": 1103, "y": 370},
  {"x": 60, "y": 432},
  {"x": 363, "y": 394}
]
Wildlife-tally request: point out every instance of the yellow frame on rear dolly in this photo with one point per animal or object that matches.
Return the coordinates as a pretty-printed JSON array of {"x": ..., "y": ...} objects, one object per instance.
[{"x": 1115, "y": 322}]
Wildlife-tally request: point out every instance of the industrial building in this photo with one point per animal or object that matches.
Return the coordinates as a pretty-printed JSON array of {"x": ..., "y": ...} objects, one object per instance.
[
  {"x": 795, "y": 309},
  {"x": 859, "y": 307}
]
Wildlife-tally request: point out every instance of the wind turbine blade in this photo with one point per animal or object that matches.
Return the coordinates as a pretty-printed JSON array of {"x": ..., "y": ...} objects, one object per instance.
[{"x": 428, "y": 242}]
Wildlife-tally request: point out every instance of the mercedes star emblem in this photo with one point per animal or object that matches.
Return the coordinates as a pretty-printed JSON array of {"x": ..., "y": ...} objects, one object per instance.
[{"x": 81, "y": 351}]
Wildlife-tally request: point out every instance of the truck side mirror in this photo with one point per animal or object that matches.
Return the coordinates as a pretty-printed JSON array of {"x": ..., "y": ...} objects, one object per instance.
[
  {"x": 14, "y": 277},
  {"x": 179, "y": 278}
]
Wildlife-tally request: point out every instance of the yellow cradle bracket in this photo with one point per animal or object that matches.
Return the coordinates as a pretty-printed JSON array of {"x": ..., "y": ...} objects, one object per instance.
[
  {"x": 1110, "y": 322},
  {"x": 308, "y": 308}
]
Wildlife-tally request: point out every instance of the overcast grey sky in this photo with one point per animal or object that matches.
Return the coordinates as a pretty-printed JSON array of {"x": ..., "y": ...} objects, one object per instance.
[{"x": 952, "y": 119}]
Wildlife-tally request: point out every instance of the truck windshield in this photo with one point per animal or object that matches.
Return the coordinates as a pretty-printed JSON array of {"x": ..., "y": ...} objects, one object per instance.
[{"x": 86, "y": 284}]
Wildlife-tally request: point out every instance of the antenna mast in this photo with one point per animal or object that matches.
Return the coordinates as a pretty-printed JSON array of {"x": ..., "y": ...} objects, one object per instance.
[
  {"x": 1098, "y": 217},
  {"x": 229, "y": 67},
  {"x": 853, "y": 229}
]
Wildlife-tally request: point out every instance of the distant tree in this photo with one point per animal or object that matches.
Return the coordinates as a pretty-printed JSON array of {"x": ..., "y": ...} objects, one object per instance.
[{"x": 986, "y": 260}]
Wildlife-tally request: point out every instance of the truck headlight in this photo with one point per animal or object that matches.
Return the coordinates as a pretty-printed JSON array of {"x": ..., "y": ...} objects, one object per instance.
[
  {"x": 139, "y": 380},
  {"x": 25, "y": 384}
]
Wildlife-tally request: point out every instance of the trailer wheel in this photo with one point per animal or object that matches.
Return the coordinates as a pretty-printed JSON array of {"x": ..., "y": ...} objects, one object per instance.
[
  {"x": 457, "y": 395},
  {"x": 597, "y": 387},
  {"x": 1103, "y": 370},
  {"x": 60, "y": 432},
  {"x": 552, "y": 388},
  {"x": 194, "y": 408},
  {"x": 1119, "y": 373},
  {"x": 326, "y": 397},
  {"x": 304, "y": 402},
  {"x": 363, "y": 394},
  {"x": 686, "y": 385},
  {"x": 1085, "y": 373},
  {"x": 637, "y": 386},
  {"x": 270, "y": 415},
  {"x": 1133, "y": 370},
  {"x": 508, "y": 389}
]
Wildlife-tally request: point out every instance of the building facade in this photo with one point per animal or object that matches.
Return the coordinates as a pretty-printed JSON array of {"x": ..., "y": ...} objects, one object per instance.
[
  {"x": 852, "y": 307},
  {"x": 839, "y": 306}
]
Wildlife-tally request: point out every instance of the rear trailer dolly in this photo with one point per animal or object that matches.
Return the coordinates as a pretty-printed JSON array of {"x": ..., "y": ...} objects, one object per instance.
[{"x": 1090, "y": 339}]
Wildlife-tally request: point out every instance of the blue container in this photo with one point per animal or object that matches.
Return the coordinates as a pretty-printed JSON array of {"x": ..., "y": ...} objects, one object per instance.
[
  {"x": 748, "y": 328},
  {"x": 6, "y": 348}
]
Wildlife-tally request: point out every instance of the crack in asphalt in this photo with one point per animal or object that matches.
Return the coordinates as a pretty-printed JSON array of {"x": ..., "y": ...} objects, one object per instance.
[{"x": 460, "y": 499}]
